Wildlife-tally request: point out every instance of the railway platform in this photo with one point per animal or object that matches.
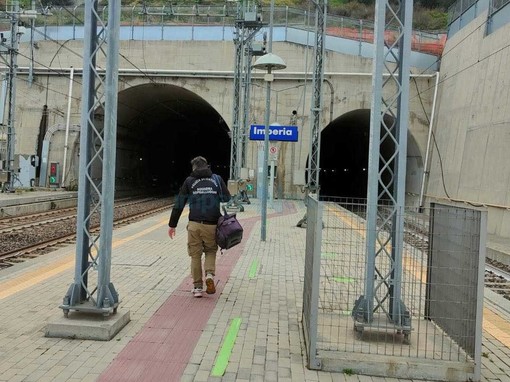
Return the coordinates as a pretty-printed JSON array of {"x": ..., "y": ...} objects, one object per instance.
[
  {"x": 250, "y": 330},
  {"x": 32, "y": 201}
]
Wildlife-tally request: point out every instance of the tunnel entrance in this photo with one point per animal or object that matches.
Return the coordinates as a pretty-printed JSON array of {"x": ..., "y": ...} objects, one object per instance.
[
  {"x": 344, "y": 157},
  {"x": 160, "y": 129}
]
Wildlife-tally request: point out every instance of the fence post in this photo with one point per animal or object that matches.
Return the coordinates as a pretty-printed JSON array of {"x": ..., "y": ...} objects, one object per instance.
[
  {"x": 360, "y": 36},
  {"x": 312, "y": 280}
]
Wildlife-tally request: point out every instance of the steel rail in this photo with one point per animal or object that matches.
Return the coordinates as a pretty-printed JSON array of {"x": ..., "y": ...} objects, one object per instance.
[{"x": 31, "y": 250}]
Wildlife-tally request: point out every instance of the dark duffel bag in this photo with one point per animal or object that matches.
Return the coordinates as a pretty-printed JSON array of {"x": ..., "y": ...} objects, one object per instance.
[{"x": 229, "y": 231}]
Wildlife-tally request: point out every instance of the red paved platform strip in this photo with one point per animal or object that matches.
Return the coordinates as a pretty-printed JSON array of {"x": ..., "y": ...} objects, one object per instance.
[{"x": 162, "y": 349}]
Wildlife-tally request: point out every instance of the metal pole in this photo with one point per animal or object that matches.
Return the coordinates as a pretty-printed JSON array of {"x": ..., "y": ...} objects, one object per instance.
[
  {"x": 97, "y": 148},
  {"x": 270, "y": 39},
  {"x": 11, "y": 135},
  {"x": 271, "y": 182},
  {"x": 427, "y": 152},
  {"x": 316, "y": 107},
  {"x": 266, "y": 156},
  {"x": 107, "y": 296},
  {"x": 3, "y": 97},
  {"x": 266, "y": 131},
  {"x": 239, "y": 46},
  {"x": 77, "y": 292},
  {"x": 64, "y": 162},
  {"x": 32, "y": 28},
  {"x": 386, "y": 174}
]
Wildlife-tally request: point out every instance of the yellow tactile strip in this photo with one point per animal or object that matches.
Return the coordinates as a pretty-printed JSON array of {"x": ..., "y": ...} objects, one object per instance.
[
  {"x": 496, "y": 326},
  {"x": 29, "y": 279}
]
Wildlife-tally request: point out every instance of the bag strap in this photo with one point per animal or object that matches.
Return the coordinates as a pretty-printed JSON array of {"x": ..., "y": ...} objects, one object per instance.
[{"x": 218, "y": 180}]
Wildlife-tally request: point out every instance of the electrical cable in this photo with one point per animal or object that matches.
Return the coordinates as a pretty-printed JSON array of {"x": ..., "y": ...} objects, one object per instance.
[
  {"x": 440, "y": 156},
  {"x": 449, "y": 52},
  {"x": 435, "y": 143},
  {"x": 59, "y": 72},
  {"x": 75, "y": 80},
  {"x": 123, "y": 56},
  {"x": 152, "y": 81}
]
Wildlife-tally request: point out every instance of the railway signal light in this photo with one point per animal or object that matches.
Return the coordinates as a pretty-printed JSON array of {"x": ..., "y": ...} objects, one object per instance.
[{"x": 53, "y": 173}]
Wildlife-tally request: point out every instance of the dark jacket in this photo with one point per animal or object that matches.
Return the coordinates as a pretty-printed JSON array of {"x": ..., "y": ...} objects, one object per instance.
[{"x": 202, "y": 190}]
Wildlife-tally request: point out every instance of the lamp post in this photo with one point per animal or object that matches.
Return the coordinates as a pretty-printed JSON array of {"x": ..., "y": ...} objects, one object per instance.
[{"x": 268, "y": 62}]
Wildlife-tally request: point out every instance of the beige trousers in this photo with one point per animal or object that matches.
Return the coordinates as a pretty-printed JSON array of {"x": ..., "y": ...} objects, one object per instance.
[{"x": 201, "y": 240}]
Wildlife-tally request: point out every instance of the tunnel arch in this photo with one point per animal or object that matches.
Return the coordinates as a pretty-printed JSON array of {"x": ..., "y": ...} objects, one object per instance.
[
  {"x": 344, "y": 152},
  {"x": 160, "y": 128}
]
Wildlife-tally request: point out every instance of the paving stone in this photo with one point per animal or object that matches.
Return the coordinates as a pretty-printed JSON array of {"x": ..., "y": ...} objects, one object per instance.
[{"x": 269, "y": 345}]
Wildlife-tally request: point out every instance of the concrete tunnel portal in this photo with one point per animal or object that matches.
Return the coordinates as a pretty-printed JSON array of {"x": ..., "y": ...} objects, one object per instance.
[
  {"x": 344, "y": 156},
  {"x": 161, "y": 127}
]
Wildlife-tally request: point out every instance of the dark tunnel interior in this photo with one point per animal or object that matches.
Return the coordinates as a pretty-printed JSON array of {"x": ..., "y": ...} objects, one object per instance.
[
  {"x": 344, "y": 152},
  {"x": 160, "y": 129},
  {"x": 344, "y": 156}
]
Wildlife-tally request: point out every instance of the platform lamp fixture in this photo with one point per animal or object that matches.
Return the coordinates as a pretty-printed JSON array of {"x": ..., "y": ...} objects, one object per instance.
[{"x": 267, "y": 62}]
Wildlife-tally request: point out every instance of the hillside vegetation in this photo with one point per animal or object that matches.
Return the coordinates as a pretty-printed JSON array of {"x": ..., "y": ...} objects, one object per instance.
[{"x": 428, "y": 15}]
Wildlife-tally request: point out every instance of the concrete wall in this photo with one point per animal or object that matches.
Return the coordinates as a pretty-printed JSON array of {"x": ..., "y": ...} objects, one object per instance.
[
  {"x": 472, "y": 131},
  {"x": 349, "y": 77}
]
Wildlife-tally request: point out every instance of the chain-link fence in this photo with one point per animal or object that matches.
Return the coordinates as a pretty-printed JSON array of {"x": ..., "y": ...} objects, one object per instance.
[
  {"x": 225, "y": 15},
  {"x": 441, "y": 288}
]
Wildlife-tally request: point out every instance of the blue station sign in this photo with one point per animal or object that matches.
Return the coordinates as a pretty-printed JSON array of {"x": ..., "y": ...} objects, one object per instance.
[{"x": 276, "y": 133}]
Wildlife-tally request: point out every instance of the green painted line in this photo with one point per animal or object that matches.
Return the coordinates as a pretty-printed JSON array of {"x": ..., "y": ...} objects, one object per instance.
[
  {"x": 343, "y": 279},
  {"x": 253, "y": 269},
  {"x": 329, "y": 255},
  {"x": 226, "y": 349}
]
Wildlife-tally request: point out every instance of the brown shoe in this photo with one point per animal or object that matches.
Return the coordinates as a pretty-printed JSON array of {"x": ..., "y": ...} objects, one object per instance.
[{"x": 209, "y": 283}]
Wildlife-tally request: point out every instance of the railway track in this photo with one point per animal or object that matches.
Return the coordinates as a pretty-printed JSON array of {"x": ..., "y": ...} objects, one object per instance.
[
  {"x": 497, "y": 275},
  {"x": 34, "y": 239},
  {"x": 13, "y": 223},
  {"x": 10, "y": 223},
  {"x": 497, "y": 278}
]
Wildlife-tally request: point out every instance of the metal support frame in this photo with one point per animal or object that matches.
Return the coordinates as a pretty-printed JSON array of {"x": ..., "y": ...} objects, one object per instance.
[
  {"x": 238, "y": 60},
  {"x": 243, "y": 37},
  {"x": 386, "y": 177},
  {"x": 316, "y": 107},
  {"x": 16, "y": 16},
  {"x": 313, "y": 165},
  {"x": 243, "y": 129},
  {"x": 97, "y": 150},
  {"x": 12, "y": 50}
]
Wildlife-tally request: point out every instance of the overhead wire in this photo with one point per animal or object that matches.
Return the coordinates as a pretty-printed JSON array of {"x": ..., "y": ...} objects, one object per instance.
[
  {"x": 63, "y": 73},
  {"x": 143, "y": 73},
  {"x": 419, "y": 93},
  {"x": 60, "y": 72},
  {"x": 150, "y": 79},
  {"x": 437, "y": 61}
]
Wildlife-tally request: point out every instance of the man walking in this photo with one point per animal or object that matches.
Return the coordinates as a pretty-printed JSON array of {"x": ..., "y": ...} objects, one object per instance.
[{"x": 204, "y": 191}]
